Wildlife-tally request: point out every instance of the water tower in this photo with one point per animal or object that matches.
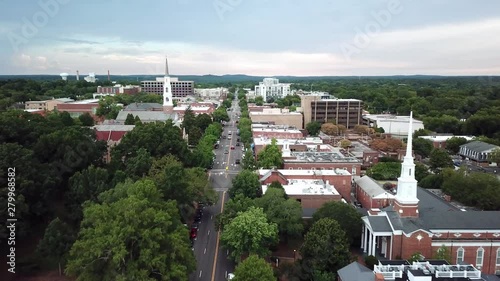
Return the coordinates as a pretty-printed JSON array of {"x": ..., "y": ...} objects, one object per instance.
[{"x": 64, "y": 76}]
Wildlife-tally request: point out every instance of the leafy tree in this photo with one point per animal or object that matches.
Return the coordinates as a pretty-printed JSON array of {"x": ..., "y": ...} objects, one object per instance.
[
  {"x": 137, "y": 120},
  {"x": 440, "y": 159},
  {"x": 313, "y": 128},
  {"x": 416, "y": 256},
  {"x": 285, "y": 213},
  {"x": 56, "y": 241},
  {"x": 387, "y": 144},
  {"x": 431, "y": 181},
  {"x": 189, "y": 119},
  {"x": 259, "y": 100},
  {"x": 422, "y": 147},
  {"x": 214, "y": 129},
  {"x": 233, "y": 206},
  {"x": 86, "y": 120},
  {"x": 443, "y": 253},
  {"x": 138, "y": 166},
  {"x": 203, "y": 121},
  {"x": 421, "y": 171},
  {"x": 362, "y": 129},
  {"x": 348, "y": 218},
  {"x": 495, "y": 156},
  {"x": 246, "y": 183},
  {"x": 325, "y": 248},
  {"x": 66, "y": 119},
  {"x": 270, "y": 156},
  {"x": 254, "y": 268},
  {"x": 385, "y": 171},
  {"x": 345, "y": 143},
  {"x": 220, "y": 114},
  {"x": 371, "y": 261},
  {"x": 453, "y": 144},
  {"x": 249, "y": 233},
  {"x": 134, "y": 235},
  {"x": 421, "y": 132},
  {"x": 130, "y": 120},
  {"x": 194, "y": 135},
  {"x": 249, "y": 162},
  {"x": 330, "y": 129}
]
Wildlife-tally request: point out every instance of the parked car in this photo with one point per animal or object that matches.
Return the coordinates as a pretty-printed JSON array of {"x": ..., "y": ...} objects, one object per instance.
[
  {"x": 232, "y": 147},
  {"x": 237, "y": 144},
  {"x": 237, "y": 161},
  {"x": 194, "y": 233},
  {"x": 226, "y": 151}
]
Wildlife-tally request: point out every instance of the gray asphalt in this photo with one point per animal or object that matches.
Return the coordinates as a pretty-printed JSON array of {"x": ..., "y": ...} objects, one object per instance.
[{"x": 221, "y": 176}]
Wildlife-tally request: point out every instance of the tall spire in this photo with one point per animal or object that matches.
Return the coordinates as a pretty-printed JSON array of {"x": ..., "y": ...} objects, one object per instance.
[
  {"x": 166, "y": 66},
  {"x": 409, "y": 142}
]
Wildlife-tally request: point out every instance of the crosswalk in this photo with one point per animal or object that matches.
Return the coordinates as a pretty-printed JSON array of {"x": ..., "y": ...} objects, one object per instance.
[{"x": 223, "y": 172}]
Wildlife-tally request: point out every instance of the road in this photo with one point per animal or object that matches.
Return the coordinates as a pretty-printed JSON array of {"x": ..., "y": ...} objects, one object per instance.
[{"x": 212, "y": 260}]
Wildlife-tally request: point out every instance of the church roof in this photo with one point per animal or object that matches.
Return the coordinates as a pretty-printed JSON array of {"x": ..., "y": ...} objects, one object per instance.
[
  {"x": 434, "y": 214},
  {"x": 356, "y": 272}
]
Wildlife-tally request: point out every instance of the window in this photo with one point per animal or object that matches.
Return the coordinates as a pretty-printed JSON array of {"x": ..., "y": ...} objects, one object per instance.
[
  {"x": 409, "y": 172},
  {"x": 460, "y": 255},
  {"x": 479, "y": 257},
  {"x": 498, "y": 257}
]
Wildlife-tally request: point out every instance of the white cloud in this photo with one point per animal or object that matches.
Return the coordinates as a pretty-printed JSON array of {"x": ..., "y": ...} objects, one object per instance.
[{"x": 461, "y": 49}]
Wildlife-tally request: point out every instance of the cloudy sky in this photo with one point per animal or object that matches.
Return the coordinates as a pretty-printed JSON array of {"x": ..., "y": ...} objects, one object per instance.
[{"x": 254, "y": 37}]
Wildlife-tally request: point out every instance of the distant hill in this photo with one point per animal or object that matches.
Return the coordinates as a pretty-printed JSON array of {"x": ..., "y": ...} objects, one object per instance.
[{"x": 231, "y": 78}]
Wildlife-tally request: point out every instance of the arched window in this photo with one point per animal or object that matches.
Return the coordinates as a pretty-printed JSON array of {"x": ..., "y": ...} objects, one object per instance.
[
  {"x": 479, "y": 257},
  {"x": 460, "y": 255}
]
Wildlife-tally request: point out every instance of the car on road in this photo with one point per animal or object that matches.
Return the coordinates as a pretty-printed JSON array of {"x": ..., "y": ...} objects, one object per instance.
[
  {"x": 229, "y": 137},
  {"x": 237, "y": 144},
  {"x": 226, "y": 151},
  {"x": 224, "y": 137},
  {"x": 194, "y": 233},
  {"x": 230, "y": 276},
  {"x": 237, "y": 161},
  {"x": 232, "y": 147}
]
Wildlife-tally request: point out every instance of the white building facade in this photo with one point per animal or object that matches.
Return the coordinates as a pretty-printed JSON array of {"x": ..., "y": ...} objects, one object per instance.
[{"x": 272, "y": 88}]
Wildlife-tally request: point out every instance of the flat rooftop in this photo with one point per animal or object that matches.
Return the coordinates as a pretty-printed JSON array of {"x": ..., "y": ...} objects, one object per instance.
[
  {"x": 390, "y": 117},
  {"x": 114, "y": 127},
  {"x": 307, "y": 187},
  {"x": 265, "y": 130},
  {"x": 322, "y": 157},
  {"x": 296, "y": 172},
  {"x": 85, "y": 101},
  {"x": 273, "y": 113},
  {"x": 445, "y": 138},
  {"x": 303, "y": 141}
]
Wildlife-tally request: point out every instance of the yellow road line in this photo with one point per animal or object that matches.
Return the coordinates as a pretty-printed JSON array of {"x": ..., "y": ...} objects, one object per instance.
[{"x": 218, "y": 237}]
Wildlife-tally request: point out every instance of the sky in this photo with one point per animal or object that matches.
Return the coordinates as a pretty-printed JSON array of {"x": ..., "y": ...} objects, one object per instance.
[{"x": 253, "y": 37}]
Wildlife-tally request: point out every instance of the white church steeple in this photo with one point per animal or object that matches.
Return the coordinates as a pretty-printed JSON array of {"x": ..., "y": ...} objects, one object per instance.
[
  {"x": 406, "y": 196},
  {"x": 168, "y": 103}
]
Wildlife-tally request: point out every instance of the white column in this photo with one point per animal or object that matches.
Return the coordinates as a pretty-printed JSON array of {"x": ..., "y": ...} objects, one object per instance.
[
  {"x": 374, "y": 244},
  {"x": 365, "y": 244},
  {"x": 370, "y": 243},
  {"x": 384, "y": 246},
  {"x": 363, "y": 231}
]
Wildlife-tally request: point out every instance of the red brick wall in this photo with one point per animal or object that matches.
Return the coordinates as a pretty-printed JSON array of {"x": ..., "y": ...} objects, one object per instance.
[
  {"x": 342, "y": 183},
  {"x": 410, "y": 245},
  {"x": 325, "y": 165},
  {"x": 408, "y": 210},
  {"x": 369, "y": 203},
  {"x": 77, "y": 107},
  {"x": 470, "y": 253}
]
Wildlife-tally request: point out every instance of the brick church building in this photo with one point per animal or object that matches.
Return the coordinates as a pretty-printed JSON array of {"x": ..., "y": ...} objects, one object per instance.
[{"x": 419, "y": 221}]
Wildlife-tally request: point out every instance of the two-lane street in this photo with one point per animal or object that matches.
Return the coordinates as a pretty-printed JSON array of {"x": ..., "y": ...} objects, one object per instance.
[{"x": 212, "y": 262}]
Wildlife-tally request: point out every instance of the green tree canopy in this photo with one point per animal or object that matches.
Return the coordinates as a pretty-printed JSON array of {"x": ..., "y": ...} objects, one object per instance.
[
  {"x": 249, "y": 162},
  {"x": 56, "y": 241},
  {"x": 422, "y": 147},
  {"x": 270, "y": 156},
  {"x": 325, "y": 248},
  {"x": 313, "y": 128},
  {"x": 137, "y": 236},
  {"x": 385, "y": 171},
  {"x": 246, "y": 183},
  {"x": 453, "y": 144},
  {"x": 254, "y": 268},
  {"x": 235, "y": 205},
  {"x": 249, "y": 233},
  {"x": 440, "y": 159},
  {"x": 130, "y": 120},
  {"x": 86, "y": 119},
  {"x": 348, "y": 218}
]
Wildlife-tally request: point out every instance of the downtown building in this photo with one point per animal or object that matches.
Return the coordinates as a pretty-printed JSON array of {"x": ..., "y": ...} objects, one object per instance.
[
  {"x": 419, "y": 221},
  {"x": 347, "y": 112},
  {"x": 272, "y": 88},
  {"x": 180, "y": 89}
]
